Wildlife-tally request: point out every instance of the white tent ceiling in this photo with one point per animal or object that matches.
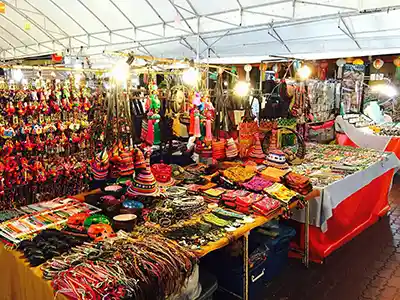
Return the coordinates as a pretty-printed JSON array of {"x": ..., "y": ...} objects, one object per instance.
[{"x": 187, "y": 28}]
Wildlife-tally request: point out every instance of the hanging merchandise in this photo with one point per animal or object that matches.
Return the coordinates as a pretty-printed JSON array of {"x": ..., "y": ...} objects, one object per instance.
[
  {"x": 247, "y": 68},
  {"x": 47, "y": 133},
  {"x": 340, "y": 63},
  {"x": 352, "y": 87},
  {"x": 322, "y": 99},
  {"x": 153, "y": 117}
]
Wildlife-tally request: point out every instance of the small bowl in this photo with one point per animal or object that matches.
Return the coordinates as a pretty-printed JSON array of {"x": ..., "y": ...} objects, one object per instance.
[
  {"x": 115, "y": 190},
  {"x": 124, "y": 222}
]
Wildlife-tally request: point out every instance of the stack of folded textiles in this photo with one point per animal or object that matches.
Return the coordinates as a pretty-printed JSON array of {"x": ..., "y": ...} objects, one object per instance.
[
  {"x": 243, "y": 204},
  {"x": 280, "y": 192},
  {"x": 299, "y": 183},
  {"x": 257, "y": 184},
  {"x": 229, "y": 198},
  {"x": 213, "y": 195},
  {"x": 273, "y": 174},
  {"x": 266, "y": 205}
]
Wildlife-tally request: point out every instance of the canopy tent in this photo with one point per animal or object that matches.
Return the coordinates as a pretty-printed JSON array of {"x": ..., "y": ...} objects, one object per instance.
[{"x": 203, "y": 29}]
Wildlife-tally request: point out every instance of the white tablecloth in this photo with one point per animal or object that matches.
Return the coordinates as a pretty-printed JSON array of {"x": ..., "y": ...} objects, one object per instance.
[
  {"x": 332, "y": 195},
  {"x": 362, "y": 137}
]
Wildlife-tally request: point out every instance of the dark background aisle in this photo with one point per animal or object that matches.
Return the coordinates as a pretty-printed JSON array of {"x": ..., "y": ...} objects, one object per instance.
[{"x": 368, "y": 267}]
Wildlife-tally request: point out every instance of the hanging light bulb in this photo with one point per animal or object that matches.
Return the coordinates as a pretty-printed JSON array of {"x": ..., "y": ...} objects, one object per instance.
[
  {"x": 191, "y": 76},
  {"x": 242, "y": 88},
  {"x": 120, "y": 71},
  {"x": 304, "y": 72},
  {"x": 384, "y": 89},
  {"x": 225, "y": 83},
  {"x": 17, "y": 75}
]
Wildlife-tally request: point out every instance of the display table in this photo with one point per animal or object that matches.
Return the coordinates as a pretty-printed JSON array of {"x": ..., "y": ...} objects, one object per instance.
[
  {"x": 21, "y": 282},
  {"x": 348, "y": 206},
  {"x": 364, "y": 138}
]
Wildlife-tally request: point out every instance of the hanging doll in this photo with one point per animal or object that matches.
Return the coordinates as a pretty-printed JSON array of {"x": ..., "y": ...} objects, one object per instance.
[{"x": 153, "y": 117}]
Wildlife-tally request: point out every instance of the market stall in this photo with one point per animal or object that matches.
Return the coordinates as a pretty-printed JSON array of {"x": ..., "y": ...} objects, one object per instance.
[{"x": 354, "y": 184}]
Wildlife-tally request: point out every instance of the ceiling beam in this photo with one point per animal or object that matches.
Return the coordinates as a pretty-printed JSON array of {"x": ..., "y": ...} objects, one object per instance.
[
  {"x": 38, "y": 26},
  {"x": 248, "y": 28},
  {"x": 277, "y": 37},
  {"x": 69, "y": 16},
  {"x": 94, "y": 15},
  {"x": 328, "y": 5},
  {"x": 347, "y": 31},
  {"x": 17, "y": 38},
  {"x": 198, "y": 25},
  {"x": 47, "y": 18}
]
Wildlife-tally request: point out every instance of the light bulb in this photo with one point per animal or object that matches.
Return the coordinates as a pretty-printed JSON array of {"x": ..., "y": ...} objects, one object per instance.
[
  {"x": 121, "y": 71},
  {"x": 190, "y": 76},
  {"x": 225, "y": 83},
  {"x": 18, "y": 75},
  {"x": 384, "y": 89},
  {"x": 242, "y": 88},
  {"x": 304, "y": 72}
]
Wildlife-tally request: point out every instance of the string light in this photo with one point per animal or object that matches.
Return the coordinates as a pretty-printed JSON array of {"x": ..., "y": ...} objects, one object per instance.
[
  {"x": 242, "y": 88},
  {"x": 190, "y": 76}
]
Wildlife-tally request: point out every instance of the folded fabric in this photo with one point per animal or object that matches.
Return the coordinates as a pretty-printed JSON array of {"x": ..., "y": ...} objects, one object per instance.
[
  {"x": 257, "y": 184},
  {"x": 280, "y": 192},
  {"x": 239, "y": 174},
  {"x": 299, "y": 183},
  {"x": 248, "y": 199},
  {"x": 273, "y": 174},
  {"x": 266, "y": 205}
]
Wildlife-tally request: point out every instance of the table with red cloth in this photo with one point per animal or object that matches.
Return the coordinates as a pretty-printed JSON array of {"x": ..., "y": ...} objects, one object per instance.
[
  {"x": 349, "y": 135},
  {"x": 348, "y": 206}
]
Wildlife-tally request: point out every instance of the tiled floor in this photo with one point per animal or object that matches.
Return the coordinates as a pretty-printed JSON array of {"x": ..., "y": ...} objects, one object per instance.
[{"x": 367, "y": 268}]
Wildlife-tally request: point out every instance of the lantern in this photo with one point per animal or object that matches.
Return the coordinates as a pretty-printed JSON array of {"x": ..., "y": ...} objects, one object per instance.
[
  {"x": 396, "y": 62},
  {"x": 358, "y": 61},
  {"x": 378, "y": 63}
]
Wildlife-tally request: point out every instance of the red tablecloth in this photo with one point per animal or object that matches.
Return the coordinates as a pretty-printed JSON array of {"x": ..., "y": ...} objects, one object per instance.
[{"x": 350, "y": 217}]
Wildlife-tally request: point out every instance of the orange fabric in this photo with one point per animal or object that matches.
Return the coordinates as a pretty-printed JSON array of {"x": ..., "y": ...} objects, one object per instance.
[
  {"x": 352, "y": 216},
  {"x": 394, "y": 146},
  {"x": 19, "y": 281}
]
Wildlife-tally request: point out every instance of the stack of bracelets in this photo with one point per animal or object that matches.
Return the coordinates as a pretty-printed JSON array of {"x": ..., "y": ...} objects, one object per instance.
[
  {"x": 150, "y": 268},
  {"x": 176, "y": 210}
]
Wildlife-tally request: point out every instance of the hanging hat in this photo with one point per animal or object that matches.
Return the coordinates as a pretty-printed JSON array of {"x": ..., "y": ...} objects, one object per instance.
[
  {"x": 138, "y": 159},
  {"x": 144, "y": 183},
  {"x": 125, "y": 163},
  {"x": 231, "y": 149},
  {"x": 99, "y": 166},
  {"x": 276, "y": 158},
  {"x": 163, "y": 174},
  {"x": 256, "y": 153}
]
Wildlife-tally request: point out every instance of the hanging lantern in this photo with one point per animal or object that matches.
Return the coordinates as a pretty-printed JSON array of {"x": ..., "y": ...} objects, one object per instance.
[
  {"x": 247, "y": 68},
  {"x": 358, "y": 61},
  {"x": 396, "y": 62},
  {"x": 27, "y": 26},
  {"x": 2, "y": 8},
  {"x": 340, "y": 63},
  {"x": 378, "y": 63}
]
